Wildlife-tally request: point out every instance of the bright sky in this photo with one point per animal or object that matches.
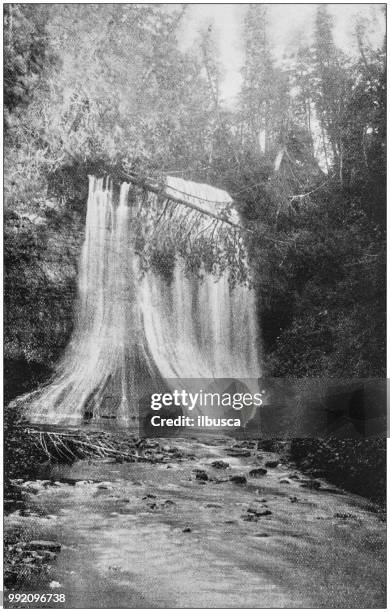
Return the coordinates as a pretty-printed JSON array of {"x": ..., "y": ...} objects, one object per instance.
[{"x": 288, "y": 24}]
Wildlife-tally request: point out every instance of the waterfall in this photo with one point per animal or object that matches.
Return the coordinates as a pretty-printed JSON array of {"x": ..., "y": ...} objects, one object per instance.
[{"x": 131, "y": 324}]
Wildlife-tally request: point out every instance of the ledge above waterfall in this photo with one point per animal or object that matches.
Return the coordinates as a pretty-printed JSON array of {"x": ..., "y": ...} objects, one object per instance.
[{"x": 210, "y": 199}]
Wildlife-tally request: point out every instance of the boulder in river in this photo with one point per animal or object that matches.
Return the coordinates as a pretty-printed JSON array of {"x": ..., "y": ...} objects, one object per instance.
[
  {"x": 54, "y": 585},
  {"x": 257, "y": 472},
  {"x": 32, "y": 487},
  {"x": 220, "y": 465},
  {"x": 344, "y": 515},
  {"x": 272, "y": 464},
  {"x": 238, "y": 452},
  {"x": 238, "y": 479},
  {"x": 294, "y": 476},
  {"x": 44, "y": 545},
  {"x": 258, "y": 510},
  {"x": 311, "y": 484},
  {"x": 201, "y": 475}
]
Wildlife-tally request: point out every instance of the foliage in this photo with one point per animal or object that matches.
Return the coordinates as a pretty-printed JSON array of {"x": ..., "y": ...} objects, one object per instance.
[
  {"x": 356, "y": 465},
  {"x": 303, "y": 154},
  {"x": 25, "y": 52},
  {"x": 318, "y": 250},
  {"x": 20, "y": 458},
  {"x": 164, "y": 228}
]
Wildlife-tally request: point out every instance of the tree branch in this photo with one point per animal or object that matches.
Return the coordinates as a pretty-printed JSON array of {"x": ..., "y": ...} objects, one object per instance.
[
  {"x": 163, "y": 192},
  {"x": 299, "y": 196}
]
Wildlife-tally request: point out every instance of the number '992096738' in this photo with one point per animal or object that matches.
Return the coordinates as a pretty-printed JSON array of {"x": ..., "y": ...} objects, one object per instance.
[{"x": 36, "y": 597}]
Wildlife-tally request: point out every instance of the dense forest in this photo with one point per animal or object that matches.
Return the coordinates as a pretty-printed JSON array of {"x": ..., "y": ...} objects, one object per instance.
[
  {"x": 111, "y": 89},
  {"x": 302, "y": 152}
]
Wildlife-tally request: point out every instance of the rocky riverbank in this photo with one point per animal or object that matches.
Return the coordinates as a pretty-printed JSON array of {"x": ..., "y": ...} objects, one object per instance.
[
  {"x": 211, "y": 522},
  {"x": 29, "y": 455}
]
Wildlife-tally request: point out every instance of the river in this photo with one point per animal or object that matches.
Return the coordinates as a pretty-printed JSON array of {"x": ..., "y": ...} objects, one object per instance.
[{"x": 163, "y": 536}]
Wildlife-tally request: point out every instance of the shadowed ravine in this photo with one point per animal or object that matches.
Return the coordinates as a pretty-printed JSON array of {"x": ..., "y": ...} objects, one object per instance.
[{"x": 142, "y": 535}]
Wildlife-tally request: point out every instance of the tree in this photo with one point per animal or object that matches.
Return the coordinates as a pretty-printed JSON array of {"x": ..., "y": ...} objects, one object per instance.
[
  {"x": 264, "y": 98},
  {"x": 25, "y": 53},
  {"x": 332, "y": 82}
]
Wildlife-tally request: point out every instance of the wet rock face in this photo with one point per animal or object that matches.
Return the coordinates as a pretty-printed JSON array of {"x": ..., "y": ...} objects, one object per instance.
[
  {"x": 40, "y": 291},
  {"x": 20, "y": 376}
]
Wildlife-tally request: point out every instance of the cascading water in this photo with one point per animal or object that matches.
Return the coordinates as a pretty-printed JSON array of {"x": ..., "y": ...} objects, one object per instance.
[{"x": 132, "y": 324}]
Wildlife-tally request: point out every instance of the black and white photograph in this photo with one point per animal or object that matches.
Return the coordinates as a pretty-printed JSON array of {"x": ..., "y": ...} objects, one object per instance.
[{"x": 194, "y": 296}]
